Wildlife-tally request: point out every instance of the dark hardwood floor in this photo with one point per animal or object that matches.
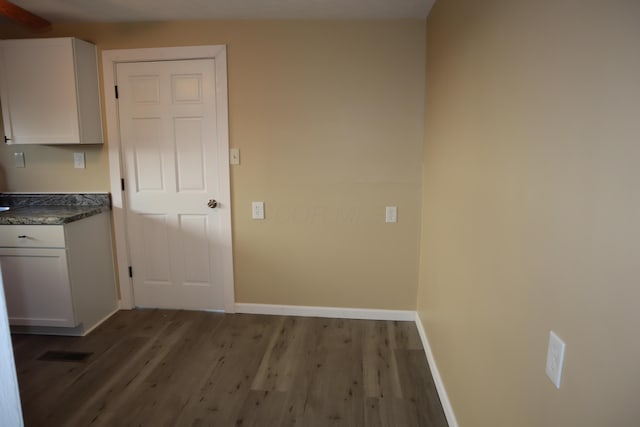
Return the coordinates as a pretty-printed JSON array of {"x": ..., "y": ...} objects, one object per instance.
[{"x": 182, "y": 368}]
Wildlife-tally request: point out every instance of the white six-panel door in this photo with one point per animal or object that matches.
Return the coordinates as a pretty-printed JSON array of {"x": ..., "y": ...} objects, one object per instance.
[{"x": 167, "y": 115}]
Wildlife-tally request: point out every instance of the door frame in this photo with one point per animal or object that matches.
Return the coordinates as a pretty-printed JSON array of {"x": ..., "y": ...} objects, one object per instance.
[{"x": 110, "y": 58}]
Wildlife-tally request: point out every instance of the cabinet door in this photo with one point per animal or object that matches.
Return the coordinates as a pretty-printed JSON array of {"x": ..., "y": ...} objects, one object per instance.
[
  {"x": 38, "y": 89},
  {"x": 36, "y": 284}
]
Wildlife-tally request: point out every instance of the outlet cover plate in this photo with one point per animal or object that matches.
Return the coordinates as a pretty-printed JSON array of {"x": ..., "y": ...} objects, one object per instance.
[
  {"x": 555, "y": 358},
  {"x": 391, "y": 214},
  {"x": 234, "y": 156},
  {"x": 257, "y": 210},
  {"x": 18, "y": 158},
  {"x": 78, "y": 160}
]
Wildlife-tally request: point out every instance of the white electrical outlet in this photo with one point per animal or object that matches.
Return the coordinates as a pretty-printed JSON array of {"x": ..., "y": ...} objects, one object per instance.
[
  {"x": 18, "y": 158},
  {"x": 78, "y": 160},
  {"x": 234, "y": 156},
  {"x": 555, "y": 358},
  {"x": 257, "y": 210},
  {"x": 391, "y": 214}
]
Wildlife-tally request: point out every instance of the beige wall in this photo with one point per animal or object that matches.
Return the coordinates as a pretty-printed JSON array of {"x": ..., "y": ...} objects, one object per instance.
[
  {"x": 531, "y": 209},
  {"x": 328, "y": 116}
]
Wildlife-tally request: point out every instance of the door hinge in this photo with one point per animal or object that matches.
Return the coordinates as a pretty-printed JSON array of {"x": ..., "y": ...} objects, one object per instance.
[
  {"x": 130, "y": 271},
  {"x": 116, "y": 87},
  {"x": 122, "y": 183}
]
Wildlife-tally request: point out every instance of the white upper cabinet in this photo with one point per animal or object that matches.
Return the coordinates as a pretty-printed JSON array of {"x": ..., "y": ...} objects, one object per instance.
[{"x": 49, "y": 91}]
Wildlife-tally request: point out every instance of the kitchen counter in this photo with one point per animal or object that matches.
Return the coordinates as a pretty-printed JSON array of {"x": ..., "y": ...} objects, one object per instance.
[
  {"x": 48, "y": 215},
  {"x": 51, "y": 208},
  {"x": 57, "y": 262}
]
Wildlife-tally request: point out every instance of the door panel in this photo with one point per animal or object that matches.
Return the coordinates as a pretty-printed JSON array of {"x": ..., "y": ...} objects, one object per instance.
[
  {"x": 190, "y": 154},
  {"x": 148, "y": 156},
  {"x": 155, "y": 242},
  {"x": 145, "y": 89},
  {"x": 168, "y": 131},
  {"x": 195, "y": 250},
  {"x": 186, "y": 88}
]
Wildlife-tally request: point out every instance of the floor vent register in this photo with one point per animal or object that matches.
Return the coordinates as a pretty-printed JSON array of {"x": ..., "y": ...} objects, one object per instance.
[{"x": 65, "y": 356}]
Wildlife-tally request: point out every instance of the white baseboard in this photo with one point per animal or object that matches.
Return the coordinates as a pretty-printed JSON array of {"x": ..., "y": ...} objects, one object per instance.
[
  {"x": 437, "y": 379},
  {"x": 330, "y": 312}
]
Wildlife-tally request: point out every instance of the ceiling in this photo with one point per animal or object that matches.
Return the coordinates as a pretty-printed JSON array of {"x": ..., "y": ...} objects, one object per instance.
[{"x": 170, "y": 10}]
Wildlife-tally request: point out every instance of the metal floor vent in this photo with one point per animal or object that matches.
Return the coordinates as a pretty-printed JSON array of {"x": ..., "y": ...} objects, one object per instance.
[{"x": 65, "y": 356}]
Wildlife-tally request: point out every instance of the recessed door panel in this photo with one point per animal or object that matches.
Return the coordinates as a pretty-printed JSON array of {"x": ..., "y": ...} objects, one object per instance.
[
  {"x": 147, "y": 145},
  {"x": 156, "y": 256},
  {"x": 186, "y": 88},
  {"x": 194, "y": 234},
  {"x": 145, "y": 89},
  {"x": 190, "y": 153}
]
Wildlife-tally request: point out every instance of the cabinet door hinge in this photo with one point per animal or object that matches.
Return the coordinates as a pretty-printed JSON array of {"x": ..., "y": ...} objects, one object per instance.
[
  {"x": 122, "y": 183},
  {"x": 130, "y": 271},
  {"x": 116, "y": 87}
]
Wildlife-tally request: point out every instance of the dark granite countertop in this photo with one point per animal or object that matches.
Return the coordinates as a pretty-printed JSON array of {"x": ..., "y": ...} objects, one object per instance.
[
  {"x": 48, "y": 215},
  {"x": 51, "y": 208}
]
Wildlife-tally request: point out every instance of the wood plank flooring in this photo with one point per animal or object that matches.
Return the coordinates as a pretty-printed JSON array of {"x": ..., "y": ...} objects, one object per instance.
[{"x": 186, "y": 368}]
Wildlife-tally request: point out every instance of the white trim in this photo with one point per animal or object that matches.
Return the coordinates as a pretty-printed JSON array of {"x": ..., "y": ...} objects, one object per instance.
[
  {"x": 437, "y": 379},
  {"x": 109, "y": 60},
  {"x": 10, "y": 407},
  {"x": 330, "y": 312}
]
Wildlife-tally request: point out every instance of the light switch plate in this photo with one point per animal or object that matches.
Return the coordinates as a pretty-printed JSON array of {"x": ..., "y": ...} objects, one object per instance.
[
  {"x": 18, "y": 158},
  {"x": 555, "y": 358},
  {"x": 234, "y": 156},
  {"x": 391, "y": 214},
  {"x": 78, "y": 160},
  {"x": 257, "y": 210}
]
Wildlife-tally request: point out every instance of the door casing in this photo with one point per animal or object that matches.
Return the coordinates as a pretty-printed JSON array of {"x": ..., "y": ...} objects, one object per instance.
[{"x": 109, "y": 60}]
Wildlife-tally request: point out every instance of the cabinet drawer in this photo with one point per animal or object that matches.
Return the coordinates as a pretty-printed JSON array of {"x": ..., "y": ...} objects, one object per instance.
[{"x": 32, "y": 236}]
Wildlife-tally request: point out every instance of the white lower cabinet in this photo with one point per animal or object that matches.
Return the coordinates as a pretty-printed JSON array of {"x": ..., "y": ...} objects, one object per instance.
[
  {"x": 37, "y": 285},
  {"x": 58, "y": 278}
]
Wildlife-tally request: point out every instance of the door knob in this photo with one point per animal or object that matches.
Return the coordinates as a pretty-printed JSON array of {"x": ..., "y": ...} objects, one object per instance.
[{"x": 212, "y": 204}]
